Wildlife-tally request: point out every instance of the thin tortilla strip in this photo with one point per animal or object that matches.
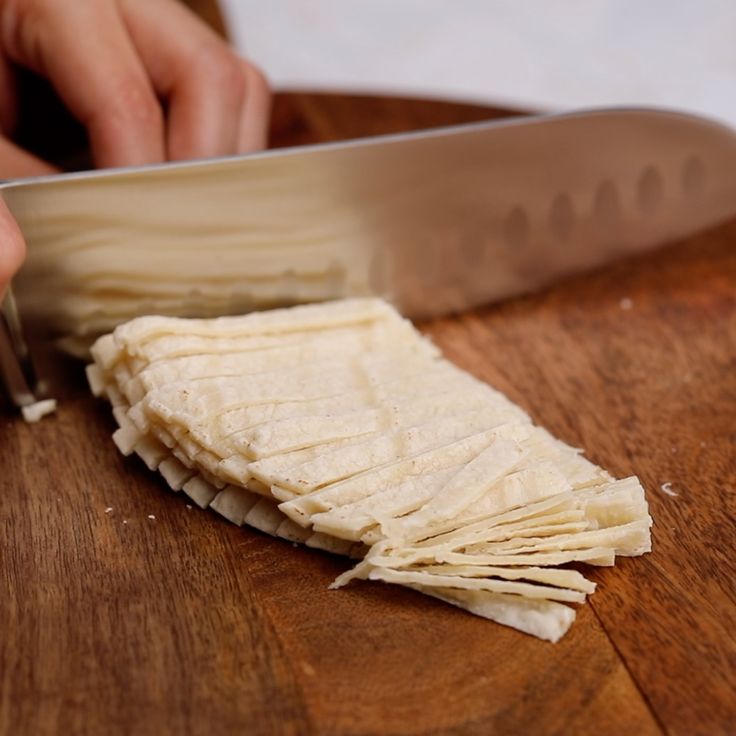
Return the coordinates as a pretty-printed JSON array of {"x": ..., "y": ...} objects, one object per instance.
[
  {"x": 550, "y": 576},
  {"x": 365, "y": 484},
  {"x": 234, "y": 503},
  {"x": 544, "y": 619},
  {"x": 600, "y": 556},
  {"x": 474, "y": 480},
  {"x": 338, "y": 465},
  {"x": 431, "y": 580}
]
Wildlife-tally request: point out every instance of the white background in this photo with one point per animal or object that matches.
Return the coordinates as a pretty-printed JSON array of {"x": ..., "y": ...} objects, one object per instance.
[{"x": 535, "y": 54}]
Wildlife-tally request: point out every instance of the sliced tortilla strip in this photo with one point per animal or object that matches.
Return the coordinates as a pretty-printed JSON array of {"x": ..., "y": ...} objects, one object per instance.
[
  {"x": 193, "y": 356},
  {"x": 544, "y": 619},
  {"x": 175, "y": 473},
  {"x": 293, "y": 532},
  {"x": 622, "y": 539},
  {"x": 263, "y": 361},
  {"x": 244, "y": 470},
  {"x": 471, "y": 482},
  {"x": 234, "y": 503},
  {"x": 151, "y": 451},
  {"x": 265, "y": 517},
  {"x": 168, "y": 347},
  {"x": 340, "y": 464},
  {"x": 381, "y": 556},
  {"x": 513, "y": 587},
  {"x": 365, "y": 484},
  {"x": 211, "y": 429},
  {"x": 617, "y": 503},
  {"x": 268, "y": 468},
  {"x": 402, "y": 409},
  {"x": 518, "y": 490},
  {"x": 286, "y": 435},
  {"x": 547, "y": 575},
  {"x": 276, "y": 321},
  {"x": 472, "y": 533},
  {"x": 179, "y": 403},
  {"x": 97, "y": 379},
  {"x": 495, "y": 527},
  {"x": 296, "y": 432},
  {"x": 200, "y": 491},
  {"x": 214, "y": 361},
  {"x": 136, "y": 333},
  {"x": 504, "y": 525},
  {"x": 354, "y": 520},
  {"x": 511, "y": 535},
  {"x": 601, "y": 556},
  {"x": 626, "y": 539},
  {"x": 532, "y": 481},
  {"x": 454, "y": 531},
  {"x": 126, "y": 438}
]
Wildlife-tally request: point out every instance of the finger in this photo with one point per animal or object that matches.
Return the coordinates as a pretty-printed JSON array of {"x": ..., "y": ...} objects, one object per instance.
[
  {"x": 204, "y": 82},
  {"x": 205, "y": 108},
  {"x": 12, "y": 247},
  {"x": 83, "y": 48},
  {"x": 16, "y": 163},
  {"x": 253, "y": 134}
]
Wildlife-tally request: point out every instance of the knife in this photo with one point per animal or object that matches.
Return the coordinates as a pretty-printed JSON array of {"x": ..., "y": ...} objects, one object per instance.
[{"x": 436, "y": 221}]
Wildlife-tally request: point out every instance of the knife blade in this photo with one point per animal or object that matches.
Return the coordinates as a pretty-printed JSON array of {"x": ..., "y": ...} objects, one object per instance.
[{"x": 437, "y": 221}]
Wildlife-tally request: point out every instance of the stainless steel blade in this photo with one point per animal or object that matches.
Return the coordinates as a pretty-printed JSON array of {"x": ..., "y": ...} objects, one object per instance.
[{"x": 436, "y": 221}]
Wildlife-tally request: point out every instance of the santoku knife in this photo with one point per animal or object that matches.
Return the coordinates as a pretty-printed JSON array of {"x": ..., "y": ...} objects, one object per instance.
[{"x": 435, "y": 221}]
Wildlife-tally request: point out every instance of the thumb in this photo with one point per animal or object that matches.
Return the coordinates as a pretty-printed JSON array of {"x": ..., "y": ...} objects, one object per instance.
[{"x": 12, "y": 247}]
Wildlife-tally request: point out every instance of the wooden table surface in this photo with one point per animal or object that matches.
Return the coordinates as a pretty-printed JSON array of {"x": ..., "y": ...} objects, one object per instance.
[{"x": 116, "y": 623}]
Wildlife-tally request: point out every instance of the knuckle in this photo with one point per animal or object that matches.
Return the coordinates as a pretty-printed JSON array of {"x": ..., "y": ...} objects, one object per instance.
[
  {"x": 256, "y": 79},
  {"x": 223, "y": 68},
  {"x": 133, "y": 103}
]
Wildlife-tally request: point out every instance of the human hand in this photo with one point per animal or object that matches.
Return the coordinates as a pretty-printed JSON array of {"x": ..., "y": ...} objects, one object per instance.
[
  {"x": 12, "y": 248},
  {"x": 148, "y": 81}
]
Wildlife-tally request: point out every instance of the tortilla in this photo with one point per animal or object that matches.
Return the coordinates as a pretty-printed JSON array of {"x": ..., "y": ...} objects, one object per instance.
[{"x": 339, "y": 427}]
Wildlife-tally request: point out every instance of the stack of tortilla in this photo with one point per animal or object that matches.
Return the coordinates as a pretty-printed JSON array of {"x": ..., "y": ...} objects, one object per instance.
[{"x": 339, "y": 426}]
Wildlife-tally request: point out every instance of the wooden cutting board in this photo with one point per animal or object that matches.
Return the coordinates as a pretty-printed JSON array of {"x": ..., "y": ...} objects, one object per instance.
[{"x": 124, "y": 611}]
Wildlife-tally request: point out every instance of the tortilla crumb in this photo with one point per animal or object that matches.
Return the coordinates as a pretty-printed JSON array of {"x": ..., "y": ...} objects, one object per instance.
[{"x": 35, "y": 412}]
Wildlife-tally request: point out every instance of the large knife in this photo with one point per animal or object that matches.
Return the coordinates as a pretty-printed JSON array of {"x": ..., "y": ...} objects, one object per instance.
[{"x": 435, "y": 221}]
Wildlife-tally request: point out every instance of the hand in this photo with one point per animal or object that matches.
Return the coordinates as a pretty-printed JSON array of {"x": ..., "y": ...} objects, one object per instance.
[
  {"x": 148, "y": 81},
  {"x": 12, "y": 248}
]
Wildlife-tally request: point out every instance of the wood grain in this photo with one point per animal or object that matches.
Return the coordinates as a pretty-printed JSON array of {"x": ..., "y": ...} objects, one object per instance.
[
  {"x": 649, "y": 390},
  {"x": 185, "y": 624}
]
